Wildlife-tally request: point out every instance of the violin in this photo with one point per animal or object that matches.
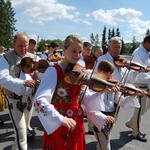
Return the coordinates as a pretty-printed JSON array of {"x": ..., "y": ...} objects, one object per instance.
[
  {"x": 97, "y": 82},
  {"x": 89, "y": 62},
  {"x": 120, "y": 61},
  {"x": 29, "y": 65},
  {"x": 56, "y": 56}
]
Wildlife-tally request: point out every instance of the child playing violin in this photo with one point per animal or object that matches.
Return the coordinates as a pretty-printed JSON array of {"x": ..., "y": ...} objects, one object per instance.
[{"x": 98, "y": 107}]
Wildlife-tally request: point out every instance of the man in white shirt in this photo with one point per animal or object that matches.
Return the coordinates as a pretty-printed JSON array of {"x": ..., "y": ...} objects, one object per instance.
[
  {"x": 114, "y": 50},
  {"x": 18, "y": 88},
  {"x": 141, "y": 80}
]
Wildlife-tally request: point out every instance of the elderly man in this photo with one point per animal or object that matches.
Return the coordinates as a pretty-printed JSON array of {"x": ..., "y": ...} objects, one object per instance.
[
  {"x": 109, "y": 100},
  {"x": 18, "y": 88}
]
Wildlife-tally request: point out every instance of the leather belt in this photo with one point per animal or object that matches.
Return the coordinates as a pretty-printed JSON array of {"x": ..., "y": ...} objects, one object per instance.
[
  {"x": 14, "y": 96},
  {"x": 108, "y": 113},
  {"x": 142, "y": 87}
]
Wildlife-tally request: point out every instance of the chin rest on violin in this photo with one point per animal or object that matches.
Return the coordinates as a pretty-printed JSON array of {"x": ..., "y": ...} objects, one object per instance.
[
  {"x": 29, "y": 65},
  {"x": 78, "y": 75}
]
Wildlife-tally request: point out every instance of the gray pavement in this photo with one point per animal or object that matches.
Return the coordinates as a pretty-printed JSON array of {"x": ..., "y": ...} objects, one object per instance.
[{"x": 121, "y": 137}]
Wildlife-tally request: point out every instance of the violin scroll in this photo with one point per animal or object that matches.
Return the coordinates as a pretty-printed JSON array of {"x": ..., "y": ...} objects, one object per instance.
[{"x": 120, "y": 61}]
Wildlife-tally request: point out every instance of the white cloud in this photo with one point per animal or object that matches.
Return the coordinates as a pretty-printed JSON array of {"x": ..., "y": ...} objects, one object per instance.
[
  {"x": 50, "y": 37},
  {"x": 35, "y": 37},
  {"x": 39, "y": 11},
  {"x": 115, "y": 16},
  {"x": 137, "y": 31},
  {"x": 85, "y": 39},
  {"x": 123, "y": 18},
  {"x": 42, "y": 13}
]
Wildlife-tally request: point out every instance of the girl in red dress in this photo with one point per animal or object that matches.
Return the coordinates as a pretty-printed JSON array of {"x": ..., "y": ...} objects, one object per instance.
[{"x": 57, "y": 103}]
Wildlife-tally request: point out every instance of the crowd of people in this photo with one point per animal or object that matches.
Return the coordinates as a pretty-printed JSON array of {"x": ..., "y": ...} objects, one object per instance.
[{"x": 62, "y": 95}]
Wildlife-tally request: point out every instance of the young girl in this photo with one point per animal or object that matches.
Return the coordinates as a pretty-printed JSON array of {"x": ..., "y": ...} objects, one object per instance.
[{"x": 57, "y": 103}]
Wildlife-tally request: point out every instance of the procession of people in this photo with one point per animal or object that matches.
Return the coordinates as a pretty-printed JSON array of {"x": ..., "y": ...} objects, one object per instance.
[{"x": 63, "y": 90}]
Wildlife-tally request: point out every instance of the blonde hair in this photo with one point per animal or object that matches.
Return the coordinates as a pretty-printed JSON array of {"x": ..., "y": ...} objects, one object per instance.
[
  {"x": 72, "y": 39},
  {"x": 2, "y": 49}
]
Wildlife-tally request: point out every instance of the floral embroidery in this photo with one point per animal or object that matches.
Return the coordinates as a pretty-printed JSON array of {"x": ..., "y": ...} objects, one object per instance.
[
  {"x": 40, "y": 108},
  {"x": 61, "y": 94},
  {"x": 61, "y": 111},
  {"x": 21, "y": 106},
  {"x": 70, "y": 112},
  {"x": 80, "y": 111}
]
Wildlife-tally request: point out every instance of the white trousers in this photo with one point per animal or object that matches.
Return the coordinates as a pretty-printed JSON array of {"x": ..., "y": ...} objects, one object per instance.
[
  {"x": 102, "y": 142},
  {"x": 135, "y": 120},
  {"x": 20, "y": 114}
]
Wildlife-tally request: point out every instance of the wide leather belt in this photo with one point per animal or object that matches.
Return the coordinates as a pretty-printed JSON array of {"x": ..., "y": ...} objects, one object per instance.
[
  {"x": 14, "y": 96},
  {"x": 142, "y": 87},
  {"x": 108, "y": 113}
]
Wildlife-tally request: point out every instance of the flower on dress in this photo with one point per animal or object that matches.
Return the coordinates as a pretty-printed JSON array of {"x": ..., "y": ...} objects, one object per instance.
[
  {"x": 70, "y": 112},
  {"x": 80, "y": 111},
  {"x": 61, "y": 92}
]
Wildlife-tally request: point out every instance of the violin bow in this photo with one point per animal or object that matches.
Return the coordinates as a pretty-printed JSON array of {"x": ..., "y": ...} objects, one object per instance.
[
  {"x": 82, "y": 96},
  {"x": 80, "y": 101},
  {"x": 37, "y": 43},
  {"x": 125, "y": 76},
  {"x": 35, "y": 57},
  {"x": 107, "y": 127}
]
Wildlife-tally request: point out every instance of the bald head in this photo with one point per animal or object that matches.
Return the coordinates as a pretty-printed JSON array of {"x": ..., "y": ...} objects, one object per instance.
[{"x": 21, "y": 42}]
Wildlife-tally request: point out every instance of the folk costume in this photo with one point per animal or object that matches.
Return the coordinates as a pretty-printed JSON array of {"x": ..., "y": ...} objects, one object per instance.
[
  {"x": 54, "y": 100},
  {"x": 19, "y": 97},
  {"x": 3, "y": 105},
  {"x": 109, "y": 103},
  {"x": 142, "y": 81}
]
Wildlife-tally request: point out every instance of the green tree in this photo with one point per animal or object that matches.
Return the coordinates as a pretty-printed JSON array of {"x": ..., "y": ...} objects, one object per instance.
[
  {"x": 109, "y": 34},
  {"x": 42, "y": 42},
  {"x": 104, "y": 42},
  {"x": 133, "y": 44},
  {"x": 147, "y": 32},
  {"x": 117, "y": 32},
  {"x": 123, "y": 47},
  {"x": 7, "y": 23},
  {"x": 95, "y": 39},
  {"x": 113, "y": 32}
]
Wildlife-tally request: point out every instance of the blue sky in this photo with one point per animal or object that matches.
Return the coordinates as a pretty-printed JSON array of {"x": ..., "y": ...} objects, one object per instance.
[{"x": 56, "y": 19}]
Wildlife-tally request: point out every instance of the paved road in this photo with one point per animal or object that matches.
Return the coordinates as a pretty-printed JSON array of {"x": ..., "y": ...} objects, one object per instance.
[{"x": 121, "y": 135}]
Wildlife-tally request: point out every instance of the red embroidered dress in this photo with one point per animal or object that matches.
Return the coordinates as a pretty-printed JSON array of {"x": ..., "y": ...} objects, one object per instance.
[{"x": 65, "y": 100}]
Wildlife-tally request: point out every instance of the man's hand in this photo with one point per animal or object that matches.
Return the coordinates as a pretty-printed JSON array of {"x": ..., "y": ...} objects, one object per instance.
[{"x": 29, "y": 83}]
